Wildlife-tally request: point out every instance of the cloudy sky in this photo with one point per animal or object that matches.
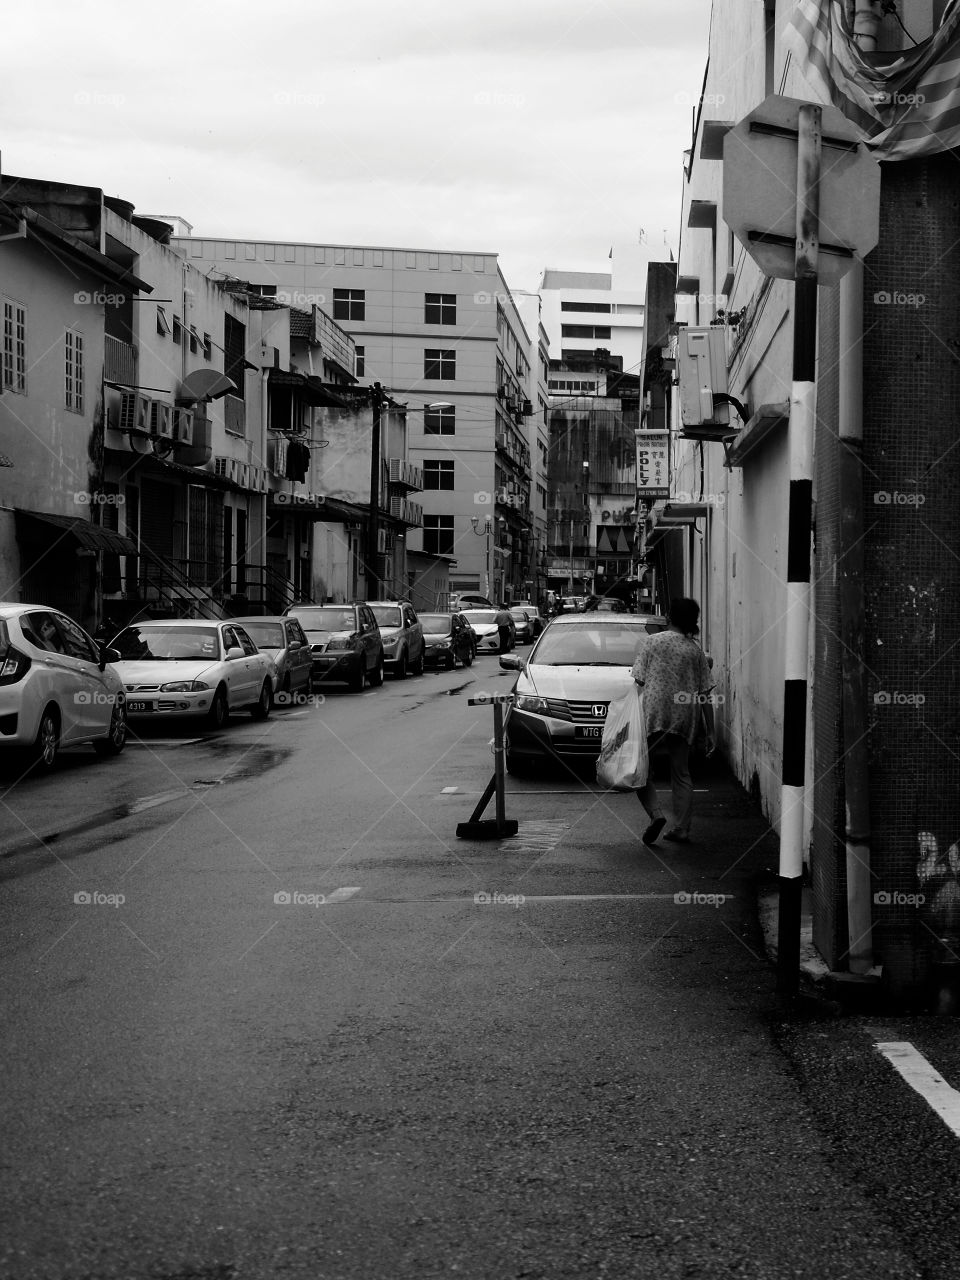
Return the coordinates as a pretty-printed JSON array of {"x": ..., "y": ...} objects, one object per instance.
[{"x": 545, "y": 130}]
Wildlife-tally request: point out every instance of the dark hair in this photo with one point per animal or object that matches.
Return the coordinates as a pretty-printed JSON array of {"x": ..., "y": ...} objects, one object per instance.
[{"x": 685, "y": 615}]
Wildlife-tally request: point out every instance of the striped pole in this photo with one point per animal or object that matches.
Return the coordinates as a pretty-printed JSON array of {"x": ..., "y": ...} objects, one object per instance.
[{"x": 803, "y": 416}]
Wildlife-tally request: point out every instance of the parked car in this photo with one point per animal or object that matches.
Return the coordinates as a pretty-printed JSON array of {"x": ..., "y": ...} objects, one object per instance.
[
  {"x": 564, "y": 687},
  {"x": 345, "y": 642},
  {"x": 57, "y": 687},
  {"x": 448, "y": 636},
  {"x": 193, "y": 667},
  {"x": 461, "y": 602},
  {"x": 402, "y": 635},
  {"x": 484, "y": 624},
  {"x": 283, "y": 639},
  {"x": 537, "y": 619}
]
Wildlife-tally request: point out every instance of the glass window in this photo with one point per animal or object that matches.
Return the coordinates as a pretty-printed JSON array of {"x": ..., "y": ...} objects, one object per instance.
[
  {"x": 246, "y": 644},
  {"x": 327, "y": 618},
  {"x": 76, "y": 641},
  {"x": 73, "y": 370},
  {"x": 361, "y": 362},
  {"x": 165, "y": 643},
  {"x": 437, "y": 624},
  {"x": 440, "y": 422},
  {"x": 349, "y": 304},
  {"x": 437, "y": 474},
  {"x": 438, "y": 535},
  {"x": 440, "y": 363},
  {"x": 440, "y": 308},
  {"x": 387, "y": 615},
  {"x": 266, "y": 635},
  {"x": 42, "y": 632},
  {"x": 14, "y": 347}
]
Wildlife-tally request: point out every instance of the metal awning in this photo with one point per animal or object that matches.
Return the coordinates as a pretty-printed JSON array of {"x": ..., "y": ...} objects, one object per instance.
[
  {"x": 91, "y": 537},
  {"x": 667, "y": 515}
]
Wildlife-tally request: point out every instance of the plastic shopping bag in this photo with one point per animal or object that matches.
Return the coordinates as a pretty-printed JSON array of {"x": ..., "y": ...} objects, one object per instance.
[{"x": 623, "y": 761}]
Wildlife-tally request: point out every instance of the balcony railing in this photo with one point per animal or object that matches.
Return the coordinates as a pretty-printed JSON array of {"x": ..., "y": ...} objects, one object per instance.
[{"x": 119, "y": 361}]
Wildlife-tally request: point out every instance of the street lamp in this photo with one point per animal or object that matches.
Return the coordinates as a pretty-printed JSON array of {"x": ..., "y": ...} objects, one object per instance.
[{"x": 484, "y": 529}]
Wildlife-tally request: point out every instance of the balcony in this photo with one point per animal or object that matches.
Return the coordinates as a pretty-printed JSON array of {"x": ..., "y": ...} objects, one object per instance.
[{"x": 119, "y": 361}]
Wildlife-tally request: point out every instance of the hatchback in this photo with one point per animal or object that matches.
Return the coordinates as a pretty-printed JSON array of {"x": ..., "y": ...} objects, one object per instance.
[
  {"x": 448, "y": 636},
  {"x": 57, "y": 687},
  {"x": 345, "y": 642}
]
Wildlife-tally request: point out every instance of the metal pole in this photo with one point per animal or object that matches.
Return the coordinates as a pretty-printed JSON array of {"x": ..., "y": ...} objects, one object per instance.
[
  {"x": 803, "y": 399},
  {"x": 498, "y": 768},
  {"x": 373, "y": 525}
]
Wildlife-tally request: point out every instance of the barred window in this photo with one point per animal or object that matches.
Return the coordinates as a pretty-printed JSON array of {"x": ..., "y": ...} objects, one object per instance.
[
  {"x": 73, "y": 370},
  {"x": 14, "y": 347}
]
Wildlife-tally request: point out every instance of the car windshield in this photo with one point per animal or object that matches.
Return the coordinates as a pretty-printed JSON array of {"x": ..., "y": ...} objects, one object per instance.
[
  {"x": 519, "y": 613},
  {"x": 265, "y": 635},
  {"x": 436, "y": 624},
  {"x": 167, "y": 644},
  {"x": 482, "y": 615},
  {"x": 605, "y": 645},
  {"x": 387, "y": 615},
  {"x": 326, "y": 619}
]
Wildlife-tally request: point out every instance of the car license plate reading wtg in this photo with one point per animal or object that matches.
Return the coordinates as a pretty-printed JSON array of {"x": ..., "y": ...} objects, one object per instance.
[{"x": 588, "y": 731}]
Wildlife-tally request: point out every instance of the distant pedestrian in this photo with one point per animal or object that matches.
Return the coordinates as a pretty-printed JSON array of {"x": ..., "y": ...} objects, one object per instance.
[
  {"x": 504, "y": 626},
  {"x": 673, "y": 672}
]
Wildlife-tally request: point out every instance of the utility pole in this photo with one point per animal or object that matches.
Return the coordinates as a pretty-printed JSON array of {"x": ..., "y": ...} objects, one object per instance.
[{"x": 373, "y": 523}]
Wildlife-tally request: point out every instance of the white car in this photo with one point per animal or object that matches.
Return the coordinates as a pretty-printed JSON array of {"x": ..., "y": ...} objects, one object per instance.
[
  {"x": 484, "y": 624},
  {"x": 193, "y": 667},
  {"x": 57, "y": 689},
  {"x": 579, "y": 664}
]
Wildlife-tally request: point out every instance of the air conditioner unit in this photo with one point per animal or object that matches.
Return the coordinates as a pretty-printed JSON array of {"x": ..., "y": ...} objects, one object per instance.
[
  {"x": 161, "y": 420},
  {"x": 702, "y": 372},
  {"x": 397, "y": 470},
  {"x": 134, "y": 412},
  {"x": 396, "y": 507},
  {"x": 183, "y": 426}
]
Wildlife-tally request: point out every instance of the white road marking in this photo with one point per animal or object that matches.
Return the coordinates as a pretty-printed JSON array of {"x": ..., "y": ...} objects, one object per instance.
[
  {"x": 537, "y": 837},
  {"x": 340, "y": 895},
  {"x": 162, "y": 742},
  {"x": 610, "y": 897},
  {"x": 921, "y": 1076},
  {"x": 151, "y": 802},
  {"x": 449, "y": 791}
]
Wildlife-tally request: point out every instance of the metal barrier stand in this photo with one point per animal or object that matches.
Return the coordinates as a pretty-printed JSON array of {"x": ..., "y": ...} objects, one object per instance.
[{"x": 497, "y": 828}]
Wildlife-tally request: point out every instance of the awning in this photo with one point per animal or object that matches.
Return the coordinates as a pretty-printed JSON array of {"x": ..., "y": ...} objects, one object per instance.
[
  {"x": 308, "y": 387},
  {"x": 91, "y": 537}
]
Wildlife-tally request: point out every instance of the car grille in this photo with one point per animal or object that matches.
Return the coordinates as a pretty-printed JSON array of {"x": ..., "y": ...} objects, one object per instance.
[
  {"x": 576, "y": 711},
  {"x": 143, "y": 688}
]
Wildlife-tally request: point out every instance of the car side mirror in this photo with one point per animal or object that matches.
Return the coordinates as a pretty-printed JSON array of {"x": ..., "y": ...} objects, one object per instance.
[
  {"x": 510, "y": 662},
  {"x": 234, "y": 652},
  {"x": 108, "y": 655}
]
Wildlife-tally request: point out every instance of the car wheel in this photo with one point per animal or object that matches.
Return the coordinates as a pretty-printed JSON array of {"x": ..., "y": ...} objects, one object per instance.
[
  {"x": 356, "y": 681},
  {"x": 450, "y": 661},
  {"x": 261, "y": 708},
  {"x": 417, "y": 667},
  {"x": 116, "y": 738},
  {"x": 401, "y": 672},
  {"x": 46, "y": 745},
  {"x": 376, "y": 677},
  {"x": 219, "y": 712},
  {"x": 468, "y": 658}
]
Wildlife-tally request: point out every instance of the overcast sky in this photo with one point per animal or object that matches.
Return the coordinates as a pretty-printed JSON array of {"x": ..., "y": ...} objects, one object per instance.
[{"x": 545, "y": 130}]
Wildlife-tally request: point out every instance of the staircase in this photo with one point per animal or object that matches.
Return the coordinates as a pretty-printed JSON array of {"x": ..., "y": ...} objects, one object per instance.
[{"x": 166, "y": 589}]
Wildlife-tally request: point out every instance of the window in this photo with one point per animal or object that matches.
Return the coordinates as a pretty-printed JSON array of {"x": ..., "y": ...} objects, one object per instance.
[
  {"x": 264, "y": 290},
  {"x": 440, "y": 422},
  {"x": 14, "y": 347},
  {"x": 438, "y": 535},
  {"x": 75, "y": 640},
  {"x": 437, "y": 474},
  {"x": 439, "y": 364},
  {"x": 73, "y": 371},
  {"x": 163, "y": 324},
  {"x": 440, "y": 308},
  {"x": 234, "y": 345},
  {"x": 584, "y": 331},
  {"x": 177, "y": 330},
  {"x": 358, "y": 257},
  {"x": 207, "y": 347},
  {"x": 349, "y": 304},
  {"x": 585, "y": 306},
  {"x": 361, "y": 362}
]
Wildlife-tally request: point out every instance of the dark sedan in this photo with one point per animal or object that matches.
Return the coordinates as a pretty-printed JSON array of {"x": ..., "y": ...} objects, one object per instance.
[{"x": 447, "y": 637}]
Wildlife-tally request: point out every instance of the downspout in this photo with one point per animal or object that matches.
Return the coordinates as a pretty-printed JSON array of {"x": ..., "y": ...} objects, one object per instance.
[{"x": 850, "y": 546}]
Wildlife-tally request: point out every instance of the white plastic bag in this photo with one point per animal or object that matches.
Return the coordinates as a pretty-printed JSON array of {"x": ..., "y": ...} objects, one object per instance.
[{"x": 623, "y": 761}]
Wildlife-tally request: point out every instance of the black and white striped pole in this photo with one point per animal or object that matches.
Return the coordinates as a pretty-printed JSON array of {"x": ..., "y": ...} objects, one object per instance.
[{"x": 803, "y": 416}]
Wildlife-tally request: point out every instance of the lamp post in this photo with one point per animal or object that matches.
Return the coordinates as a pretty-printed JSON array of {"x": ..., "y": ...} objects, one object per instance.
[{"x": 373, "y": 522}]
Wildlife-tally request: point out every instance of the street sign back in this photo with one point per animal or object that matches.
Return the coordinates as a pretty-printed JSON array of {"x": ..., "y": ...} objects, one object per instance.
[{"x": 760, "y": 189}]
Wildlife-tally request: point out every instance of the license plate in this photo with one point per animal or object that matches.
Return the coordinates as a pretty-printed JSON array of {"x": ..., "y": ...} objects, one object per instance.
[
  {"x": 588, "y": 731},
  {"x": 135, "y": 706}
]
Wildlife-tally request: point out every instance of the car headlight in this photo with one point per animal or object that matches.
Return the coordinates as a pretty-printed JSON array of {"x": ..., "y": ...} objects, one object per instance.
[
  {"x": 184, "y": 686},
  {"x": 391, "y": 642},
  {"x": 527, "y": 702},
  {"x": 442, "y": 644},
  {"x": 349, "y": 643}
]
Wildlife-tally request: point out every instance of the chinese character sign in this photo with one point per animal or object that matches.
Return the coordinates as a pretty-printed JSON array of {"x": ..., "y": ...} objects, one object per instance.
[{"x": 653, "y": 464}]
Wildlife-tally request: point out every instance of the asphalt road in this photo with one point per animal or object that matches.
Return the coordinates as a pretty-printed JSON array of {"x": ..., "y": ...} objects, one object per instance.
[{"x": 378, "y": 1075}]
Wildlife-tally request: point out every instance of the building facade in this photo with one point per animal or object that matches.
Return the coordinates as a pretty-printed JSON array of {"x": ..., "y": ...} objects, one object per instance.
[{"x": 441, "y": 333}]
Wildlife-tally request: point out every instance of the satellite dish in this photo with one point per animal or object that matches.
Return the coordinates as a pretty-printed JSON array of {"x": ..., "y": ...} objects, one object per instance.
[{"x": 205, "y": 384}]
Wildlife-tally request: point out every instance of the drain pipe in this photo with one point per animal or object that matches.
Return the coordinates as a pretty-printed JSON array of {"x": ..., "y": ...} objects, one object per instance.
[{"x": 850, "y": 548}]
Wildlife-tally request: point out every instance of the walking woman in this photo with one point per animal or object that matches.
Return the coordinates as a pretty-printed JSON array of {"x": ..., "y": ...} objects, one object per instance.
[{"x": 673, "y": 672}]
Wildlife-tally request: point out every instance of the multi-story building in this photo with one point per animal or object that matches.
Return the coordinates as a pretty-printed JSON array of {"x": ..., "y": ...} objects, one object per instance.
[
  {"x": 584, "y": 313},
  {"x": 183, "y": 414},
  {"x": 881, "y": 759},
  {"x": 440, "y": 332},
  {"x": 530, "y": 306}
]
